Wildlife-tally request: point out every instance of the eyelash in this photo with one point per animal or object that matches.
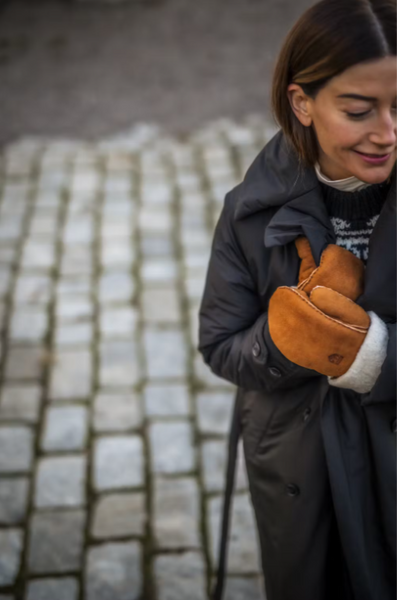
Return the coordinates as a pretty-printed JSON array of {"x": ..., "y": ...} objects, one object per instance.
[{"x": 359, "y": 115}]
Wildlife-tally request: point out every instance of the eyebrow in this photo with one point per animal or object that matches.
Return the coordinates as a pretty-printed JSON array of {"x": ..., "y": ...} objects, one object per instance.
[{"x": 358, "y": 97}]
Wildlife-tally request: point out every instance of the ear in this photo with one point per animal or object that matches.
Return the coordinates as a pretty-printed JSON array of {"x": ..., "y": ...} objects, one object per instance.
[{"x": 299, "y": 103}]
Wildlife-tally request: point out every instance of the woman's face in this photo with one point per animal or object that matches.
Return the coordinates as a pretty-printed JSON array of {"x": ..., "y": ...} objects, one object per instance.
[{"x": 353, "y": 115}]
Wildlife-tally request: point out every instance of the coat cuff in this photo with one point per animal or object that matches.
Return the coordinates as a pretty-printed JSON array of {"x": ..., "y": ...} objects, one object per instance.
[{"x": 367, "y": 365}]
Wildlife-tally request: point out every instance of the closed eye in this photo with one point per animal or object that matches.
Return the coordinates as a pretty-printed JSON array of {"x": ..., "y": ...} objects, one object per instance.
[
  {"x": 358, "y": 115},
  {"x": 362, "y": 114}
]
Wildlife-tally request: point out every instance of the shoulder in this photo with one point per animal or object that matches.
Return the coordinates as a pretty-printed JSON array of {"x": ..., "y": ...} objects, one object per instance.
[
  {"x": 240, "y": 242},
  {"x": 249, "y": 228},
  {"x": 232, "y": 207}
]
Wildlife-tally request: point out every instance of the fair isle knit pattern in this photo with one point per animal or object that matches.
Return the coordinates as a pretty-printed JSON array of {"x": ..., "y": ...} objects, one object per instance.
[
  {"x": 354, "y": 215},
  {"x": 354, "y": 237}
]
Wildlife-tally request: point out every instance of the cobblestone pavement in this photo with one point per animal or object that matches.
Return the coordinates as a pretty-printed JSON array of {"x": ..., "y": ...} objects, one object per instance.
[{"x": 112, "y": 431}]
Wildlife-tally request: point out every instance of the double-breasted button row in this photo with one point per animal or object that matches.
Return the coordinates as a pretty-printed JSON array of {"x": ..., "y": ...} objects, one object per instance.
[
  {"x": 274, "y": 372},
  {"x": 292, "y": 489},
  {"x": 256, "y": 352},
  {"x": 256, "y": 349}
]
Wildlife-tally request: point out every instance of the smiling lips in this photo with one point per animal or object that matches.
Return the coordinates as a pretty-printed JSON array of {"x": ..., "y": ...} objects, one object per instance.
[
  {"x": 374, "y": 160},
  {"x": 373, "y": 155}
]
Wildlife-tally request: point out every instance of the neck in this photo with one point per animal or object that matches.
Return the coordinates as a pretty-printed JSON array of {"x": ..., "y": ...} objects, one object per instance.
[
  {"x": 349, "y": 184},
  {"x": 332, "y": 172}
]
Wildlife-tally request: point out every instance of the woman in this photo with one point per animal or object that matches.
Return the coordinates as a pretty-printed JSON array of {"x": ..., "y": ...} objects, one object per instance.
[{"x": 313, "y": 351}]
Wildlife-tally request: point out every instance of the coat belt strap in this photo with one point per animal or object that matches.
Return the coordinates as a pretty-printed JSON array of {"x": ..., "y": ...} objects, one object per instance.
[{"x": 234, "y": 436}]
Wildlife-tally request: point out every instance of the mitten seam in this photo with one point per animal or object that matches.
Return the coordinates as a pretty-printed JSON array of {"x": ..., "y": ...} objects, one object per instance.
[
  {"x": 362, "y": 327},
  {"x": 357, "y": 328},
  {"x": 308, "y": 280}
]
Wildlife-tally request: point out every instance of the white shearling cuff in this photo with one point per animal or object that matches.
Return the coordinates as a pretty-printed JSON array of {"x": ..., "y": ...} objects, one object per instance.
[{"x": 366, "y": 368}]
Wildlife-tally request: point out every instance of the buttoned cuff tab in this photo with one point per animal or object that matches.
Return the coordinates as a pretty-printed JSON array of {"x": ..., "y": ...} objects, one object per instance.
[{"x": 366, "y": 368}]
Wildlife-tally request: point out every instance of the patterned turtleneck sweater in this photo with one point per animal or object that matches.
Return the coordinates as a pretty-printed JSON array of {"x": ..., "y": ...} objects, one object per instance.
[{"x": 353, "y": 207}]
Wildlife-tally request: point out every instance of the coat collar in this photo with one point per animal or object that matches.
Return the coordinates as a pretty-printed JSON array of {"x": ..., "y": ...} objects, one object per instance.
[
  {"x": 273, "y": 179},
  {"x": 380, "y": 280}
]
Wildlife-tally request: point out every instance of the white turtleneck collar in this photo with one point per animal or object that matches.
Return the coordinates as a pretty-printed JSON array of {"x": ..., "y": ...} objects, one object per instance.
[{"x": 350, "y": 184}]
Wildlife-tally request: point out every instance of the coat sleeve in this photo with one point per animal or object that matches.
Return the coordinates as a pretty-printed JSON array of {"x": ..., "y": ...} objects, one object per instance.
[
  {"x": 367, "y": 366},
  {"x": 233, "y": 331},
  {"x": 384, "y": 389}
]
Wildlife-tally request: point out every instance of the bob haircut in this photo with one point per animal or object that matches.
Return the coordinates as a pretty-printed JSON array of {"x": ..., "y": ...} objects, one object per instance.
[{"x": 330, "y": 37}]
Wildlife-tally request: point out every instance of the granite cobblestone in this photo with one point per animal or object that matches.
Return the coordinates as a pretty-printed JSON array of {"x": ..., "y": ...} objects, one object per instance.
[
  {"x": 117, "y": 412},
  {"x": 16, "y": 449},
  {"x": 11, "y": 544},
  {"x": 171, "y": 447},
  {"x": 56, "y": 542},
  {"x": 20, "y": 402},
  {"x": 176, "y": 513},
  {"x": 61, "y": 588},
  {"x": 60, "y": 482},
  {"x": 166, "y": 400},
  {"x": 71, "y": 375},
  {"x": 113, "y": 432},
  {"x": 119, "y": 515},
  {"x": 118, "y": 462},
  {"x": 13, "y": 500},
  {"x": 113, "y": 572},
  {"x": 180, "y": 576},
  {"x": 65, "y": 428}
]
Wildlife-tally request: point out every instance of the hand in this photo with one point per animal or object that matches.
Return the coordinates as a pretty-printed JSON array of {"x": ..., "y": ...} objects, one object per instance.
[
  {"x": 317, "y": 325},
  {"x": 322, "y": 330},
  {"x": 339, "y": 269}
]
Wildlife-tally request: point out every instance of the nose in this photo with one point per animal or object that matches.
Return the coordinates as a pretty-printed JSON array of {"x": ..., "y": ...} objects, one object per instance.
[{"x": 384, "y": 133}]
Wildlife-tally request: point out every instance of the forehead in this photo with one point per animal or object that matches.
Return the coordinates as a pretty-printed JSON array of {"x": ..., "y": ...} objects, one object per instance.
[{"x": 375, "y": 78}]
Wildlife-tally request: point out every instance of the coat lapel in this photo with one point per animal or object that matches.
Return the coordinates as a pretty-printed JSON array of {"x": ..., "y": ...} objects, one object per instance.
[
  {"x": 306, "y": 215},
  {"x": 380, "y": 277}
]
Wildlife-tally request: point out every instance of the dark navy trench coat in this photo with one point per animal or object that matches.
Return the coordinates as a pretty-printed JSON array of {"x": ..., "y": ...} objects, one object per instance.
[{"x": 320, "y": 459}]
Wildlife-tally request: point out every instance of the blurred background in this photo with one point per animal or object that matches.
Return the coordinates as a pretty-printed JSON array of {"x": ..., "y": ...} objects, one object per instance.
[
  {"x": 88, "y": 68},
  {"x": 122, "y": 126}
]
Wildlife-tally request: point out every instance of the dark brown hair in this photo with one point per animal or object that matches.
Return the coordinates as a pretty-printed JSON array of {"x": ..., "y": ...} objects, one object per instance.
[{"x": 330, "y": 37}]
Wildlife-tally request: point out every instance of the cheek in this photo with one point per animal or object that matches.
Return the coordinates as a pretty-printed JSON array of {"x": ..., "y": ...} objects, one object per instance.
[{"x": 337, "y": 134}]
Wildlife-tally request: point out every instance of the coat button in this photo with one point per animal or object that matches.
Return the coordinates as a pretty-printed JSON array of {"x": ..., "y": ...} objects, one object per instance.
[
  {"x": 292, "y": 489},
  {"x": 274, "y": 372},
  {"x": 307, "y": 413},
  {"x": 256, "y": 349},
  {"x": 393, "y": 426}
]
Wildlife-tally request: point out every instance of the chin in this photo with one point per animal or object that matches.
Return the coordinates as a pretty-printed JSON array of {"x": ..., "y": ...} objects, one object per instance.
[{"x": 374, "y": 175}]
